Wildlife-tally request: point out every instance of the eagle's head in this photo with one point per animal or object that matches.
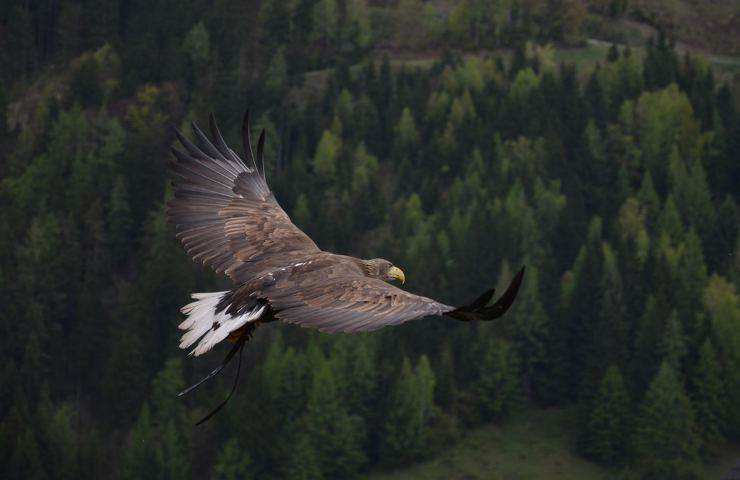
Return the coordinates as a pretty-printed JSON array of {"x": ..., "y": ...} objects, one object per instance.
[{"x": 383, "y": 269}]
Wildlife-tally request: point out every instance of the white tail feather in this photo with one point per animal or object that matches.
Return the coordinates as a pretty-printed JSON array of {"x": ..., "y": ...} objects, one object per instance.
[{"x": 202, "y": 317}]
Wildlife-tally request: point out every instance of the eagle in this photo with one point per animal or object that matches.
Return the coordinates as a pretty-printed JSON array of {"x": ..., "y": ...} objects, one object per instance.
[{"x": 227, "y": 218}]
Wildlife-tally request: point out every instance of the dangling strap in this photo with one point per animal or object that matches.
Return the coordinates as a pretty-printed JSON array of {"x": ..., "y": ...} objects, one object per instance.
[
  {"x": 216, "y": 370},
  {"x": 221, "y": 405}
]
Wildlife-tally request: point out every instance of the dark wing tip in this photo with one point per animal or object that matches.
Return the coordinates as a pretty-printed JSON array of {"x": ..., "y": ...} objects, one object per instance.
[
  {"x": 478, "y": 310},
  {"x": 483, "y": 300}
]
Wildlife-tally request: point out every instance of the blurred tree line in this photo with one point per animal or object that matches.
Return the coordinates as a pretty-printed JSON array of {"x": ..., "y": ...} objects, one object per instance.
[{"x": 615, "y": 185}]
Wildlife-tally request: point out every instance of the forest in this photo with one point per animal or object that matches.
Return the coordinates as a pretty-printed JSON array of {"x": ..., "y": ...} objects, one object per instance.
[{"x": 448, "y": 137}]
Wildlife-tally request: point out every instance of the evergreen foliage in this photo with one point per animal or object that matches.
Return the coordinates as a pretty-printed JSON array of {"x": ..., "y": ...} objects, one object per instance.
[
  {"x": 664, "y": 440},
  {"x": 606, "y": 436},
  {"x": 615, "y": 184}
]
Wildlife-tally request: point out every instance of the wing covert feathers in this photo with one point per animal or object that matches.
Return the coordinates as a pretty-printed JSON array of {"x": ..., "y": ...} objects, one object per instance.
[{"x": 223, "y": 210}]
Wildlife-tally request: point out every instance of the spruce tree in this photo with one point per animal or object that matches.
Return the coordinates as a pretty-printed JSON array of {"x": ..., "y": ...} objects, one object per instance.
[
  {"x": 119, "y": 222},
  {"x": 707, "y": 394},
  {"x": 410, "y": 413},
  {"x": 336, "y": 435},
  {"x": 606, "y": 438},
  {"x": 139, "y": 460},
  {"x": 232, "y": 463},
  {"x": 691, "y": 278},
  {"x": 723, "y": 305},
  {"x": 673, "y": 344},
  {"x": 494, "y": 392},
  {"x": 664, "y": 438}
]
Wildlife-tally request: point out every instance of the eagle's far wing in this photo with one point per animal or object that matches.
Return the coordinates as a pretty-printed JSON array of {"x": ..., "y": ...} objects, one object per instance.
[
  {"x": 223, "y": 211},
  {"x": 354, "y": 303}
]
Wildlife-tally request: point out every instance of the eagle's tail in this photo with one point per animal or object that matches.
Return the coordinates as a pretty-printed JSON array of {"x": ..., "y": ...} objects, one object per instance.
[{"x": 208, "y": 325}]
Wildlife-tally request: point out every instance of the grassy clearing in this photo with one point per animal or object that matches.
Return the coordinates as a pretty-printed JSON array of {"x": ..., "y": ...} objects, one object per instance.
[
  {"x": 581, "y": 57},
  {"x": 537, "y": 444}
]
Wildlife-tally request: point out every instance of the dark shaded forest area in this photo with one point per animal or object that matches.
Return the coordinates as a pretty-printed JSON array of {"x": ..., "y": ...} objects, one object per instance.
[{"x": 616, "y": 183}]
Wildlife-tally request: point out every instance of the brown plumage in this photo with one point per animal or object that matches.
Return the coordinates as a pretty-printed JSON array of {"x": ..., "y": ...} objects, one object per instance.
[{"x": 227, "y": 218}]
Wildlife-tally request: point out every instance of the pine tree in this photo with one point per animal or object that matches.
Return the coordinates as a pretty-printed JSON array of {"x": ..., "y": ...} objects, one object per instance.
[
  {"x": 124, "y": 381},
  {"x": 407, "y": 137},
  {"x": 171, "y": 456},
  {"x": 612, "y": 314},
  {"x": 494, "y": 392},
  {"x": 232, "y": 463},
  {"x": 303, "y": 463},
  {"x": 25, "y": 461},
  {"x": 580, "y": 300},
  {"x": 410, "y": 412},
  {"x": 530, "y": 326},
  {"x": 723, "y": 305},
  {"x": 664, "y": 437},
  {"x": 707, "y": 394},
  {"x": 325, "y": 159},
  {"x": 139, "y": 458},
  {"x": 166, "y": 406},
  {"x": 336, "y": 435},
  {"x": 119, "y": 222},
  {"x": 355, "y": 361},
  {"x": 645, "y": 358},
  {"x": 606, "y": 438},
  {"x": 723, "y": 237},
  {"x": 60, "y": 440},
  {"x": 670, "y": 222},
  {"x": 673, "y": 342},
  {"x": 649, "y": 200},
  {"x": 691, "y": 278}
]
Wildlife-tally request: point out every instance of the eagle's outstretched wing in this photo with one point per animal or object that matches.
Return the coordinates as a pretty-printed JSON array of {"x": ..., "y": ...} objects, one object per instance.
[
  {"x": 224, "y": 213},
  {"x": 331, "y": 294}
]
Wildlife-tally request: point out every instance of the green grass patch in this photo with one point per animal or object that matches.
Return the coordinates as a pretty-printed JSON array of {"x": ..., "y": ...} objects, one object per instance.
[
  {"x": 581, "y": 57},
  {"x": 535, "y": 444}
]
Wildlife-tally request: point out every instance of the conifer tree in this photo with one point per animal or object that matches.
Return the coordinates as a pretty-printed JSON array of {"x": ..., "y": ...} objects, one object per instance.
[
  {"x": 530, "y": 326},
  {"x": 410, "y": 413},
  {"x": 494, "y": 392},
  {"x": 59, "y": 439},
  {"x": 171, "y": 455},
  {"x": 335, "y": 434},
  {"x": 325, "y": 159},
  {"x": 303, "y": 464},
  {"x": 579, "y": 300},
  {"x": 119, "y": 221},
  {"x": 723, "y": 306},
  {"x": 670, "y": 222},
  {"x": 232, "y": 463},
  {"x": 673, "y": 342},
  {"x": 707, "y": 394},
  {"x": 664, "y": 436},
  {"x": 140, "y": 456},
  {"x": 691, "y": 278},
  {"x": 645, "y": 358},
  {"x": 606, "y": 438},
  {"x": 649, "y": 200}
]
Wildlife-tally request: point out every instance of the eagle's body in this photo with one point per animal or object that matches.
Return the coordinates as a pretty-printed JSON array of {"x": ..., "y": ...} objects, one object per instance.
[{"x": 227, "y": 218}]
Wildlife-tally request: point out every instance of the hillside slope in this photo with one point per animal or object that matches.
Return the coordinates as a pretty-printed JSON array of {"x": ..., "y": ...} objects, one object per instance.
[{"x": 535, "y": 444}]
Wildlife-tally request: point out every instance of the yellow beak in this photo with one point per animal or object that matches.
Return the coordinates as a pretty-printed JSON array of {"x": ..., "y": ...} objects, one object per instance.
[{"x": 397, "y": 274}]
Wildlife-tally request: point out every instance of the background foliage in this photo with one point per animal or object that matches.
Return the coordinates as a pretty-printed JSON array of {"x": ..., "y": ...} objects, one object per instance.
[{"x": 450, "y": 137}]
